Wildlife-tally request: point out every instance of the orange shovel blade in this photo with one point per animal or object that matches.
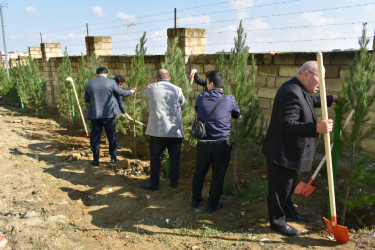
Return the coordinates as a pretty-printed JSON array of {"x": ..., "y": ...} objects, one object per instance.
[
  {"x": 308, "y": 189},
  {"x": 87, "y": 135},
  {"x": 340, "y": 233},
  {"x": 300, "y": 187}
]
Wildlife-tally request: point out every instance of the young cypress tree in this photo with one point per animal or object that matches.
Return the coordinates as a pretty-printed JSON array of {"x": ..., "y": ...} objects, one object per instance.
[
  {"x": 7, "y": 86},
  {"x": 29, "y": 86},
  {"x": 174, "y": 63},
  {"x": 65, "y": 97},
  {"x": 358, "y": 95},
  {"x": 240, "y": 82},
  {"x": 135, "y": 105}
]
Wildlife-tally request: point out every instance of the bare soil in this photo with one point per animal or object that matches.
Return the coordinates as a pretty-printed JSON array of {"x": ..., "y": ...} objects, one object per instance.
[{"x": 55, "y": 199}]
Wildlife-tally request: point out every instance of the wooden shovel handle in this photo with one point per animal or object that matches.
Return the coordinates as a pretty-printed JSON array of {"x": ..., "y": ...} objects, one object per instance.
[{"x": 327, "y": 143}]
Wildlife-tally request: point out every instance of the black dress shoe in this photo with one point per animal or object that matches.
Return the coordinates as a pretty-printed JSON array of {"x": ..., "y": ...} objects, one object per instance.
[
  {"x": 95, "y": 163},
  {"x": 174, "y": 184},
  {"x": 297, "y": 218},
  {"x": 148, "y": 186},
  {"x": 286, "y": 230},
  {"x": 210, "y": 209}
]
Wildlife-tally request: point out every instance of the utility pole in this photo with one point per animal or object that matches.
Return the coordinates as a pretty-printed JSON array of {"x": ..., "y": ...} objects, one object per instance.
[{"x": 4, "y": 42}]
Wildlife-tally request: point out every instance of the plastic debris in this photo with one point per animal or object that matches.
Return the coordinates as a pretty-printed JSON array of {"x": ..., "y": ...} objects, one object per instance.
[
  {"x": 47, "y": 147},
  {"x": 28, "y": 214},
  {"x": 273, "y": 52},
  {"x": 3, "y": 241},
  {"x": 148, "y": 196}
]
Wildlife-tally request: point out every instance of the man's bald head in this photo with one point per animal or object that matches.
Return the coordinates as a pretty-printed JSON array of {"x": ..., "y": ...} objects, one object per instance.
[{"x": 163, "y": 74}]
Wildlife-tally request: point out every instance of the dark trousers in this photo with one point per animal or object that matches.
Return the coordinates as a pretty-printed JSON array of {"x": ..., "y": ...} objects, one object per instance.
[
  {"x": 219, "y": 155},
  {"x": 109, "y": 125},
  {"x": 281, "y": 185},
  {"x": 157, "y": 146}
]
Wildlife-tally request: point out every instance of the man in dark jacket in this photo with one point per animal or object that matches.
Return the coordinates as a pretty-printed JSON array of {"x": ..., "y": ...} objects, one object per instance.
[
  {"x": 290, "y": 143},
  {"x": 215, "y": 149},
  {"x": 103, "y": 109}
]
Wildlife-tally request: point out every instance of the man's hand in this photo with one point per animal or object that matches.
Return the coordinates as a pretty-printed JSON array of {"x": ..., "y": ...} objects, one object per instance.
[
  {"x": 324, "y": 126},
  {"x": 193, "y": 71},
  {"x": 133, "y": 90}
]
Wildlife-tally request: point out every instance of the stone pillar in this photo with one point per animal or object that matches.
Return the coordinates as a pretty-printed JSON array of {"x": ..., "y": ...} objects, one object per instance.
[
  {"x": 101, "y": 45},
  {"x": 191, "y": 41},
  {"x": 50, "y": 50},
  {"x": 35, "y": 52}
]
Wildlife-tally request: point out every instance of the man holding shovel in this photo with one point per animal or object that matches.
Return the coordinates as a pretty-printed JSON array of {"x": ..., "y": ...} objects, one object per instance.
[
  {"x": 290, "y": 143},
  {"x": 103, "y": 109}
]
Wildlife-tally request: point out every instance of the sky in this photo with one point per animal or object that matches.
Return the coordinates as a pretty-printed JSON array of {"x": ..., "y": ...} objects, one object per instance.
[{"x": 281, "y": 25}]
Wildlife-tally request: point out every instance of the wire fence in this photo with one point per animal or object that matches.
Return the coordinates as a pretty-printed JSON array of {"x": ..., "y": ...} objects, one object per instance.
[{"x": 264, "y": 31}]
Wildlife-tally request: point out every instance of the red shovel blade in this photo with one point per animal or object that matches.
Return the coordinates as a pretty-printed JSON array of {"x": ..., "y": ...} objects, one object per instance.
[
  {"x": 87, "y": 135},
  {"x": 308, "y": 189},
  {"x": 300, "y": 187},
  {"x": 340, "y": 233}
]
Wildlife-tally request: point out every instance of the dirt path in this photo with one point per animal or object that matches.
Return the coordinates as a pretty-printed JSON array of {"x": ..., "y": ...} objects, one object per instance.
[{"x": 49, "y": 199}]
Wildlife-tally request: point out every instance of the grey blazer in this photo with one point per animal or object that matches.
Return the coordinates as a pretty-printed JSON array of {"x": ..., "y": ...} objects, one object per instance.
[{"x": 99, "y": 93}]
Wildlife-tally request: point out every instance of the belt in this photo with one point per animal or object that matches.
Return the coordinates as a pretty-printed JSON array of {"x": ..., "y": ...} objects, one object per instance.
[{"x": 212, "y": 141}]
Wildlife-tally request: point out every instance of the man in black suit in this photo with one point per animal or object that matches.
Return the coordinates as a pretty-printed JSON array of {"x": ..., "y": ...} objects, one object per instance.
[
  {"x": 103, "y": 109},
  {"x": 290, "y": 143}
]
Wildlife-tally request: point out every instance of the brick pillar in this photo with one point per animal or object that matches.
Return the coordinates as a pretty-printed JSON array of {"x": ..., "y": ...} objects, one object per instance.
[
  {"x": 35, "y": 52},
  {"x": 191, "y": 41},
  {"x": 101, "y": 45},
  {"x": 50, "y": 50}
]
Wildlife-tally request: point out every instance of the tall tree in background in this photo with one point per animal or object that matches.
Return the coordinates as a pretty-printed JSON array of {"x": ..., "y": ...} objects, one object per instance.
[
  {"x": 358, "y": 95},
  {"x": 29, "y": 86},
  {"x": 240, "y": 82},
  {"x": 7, "y": 86},
  {"x": 65, "y": 97},
  {"x": 138, "y": 77},
  {"x": 175, "y": 64}
]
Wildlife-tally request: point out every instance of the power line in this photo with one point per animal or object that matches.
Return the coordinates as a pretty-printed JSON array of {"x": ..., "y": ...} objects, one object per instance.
[
  {"x": 295, "y": 41},
  {"x": 290, "y": 27},
  {"x": 287, "y": 14}
]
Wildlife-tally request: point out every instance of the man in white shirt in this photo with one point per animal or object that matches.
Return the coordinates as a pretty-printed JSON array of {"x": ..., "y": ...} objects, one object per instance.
[{"x": 164, "y": 127}]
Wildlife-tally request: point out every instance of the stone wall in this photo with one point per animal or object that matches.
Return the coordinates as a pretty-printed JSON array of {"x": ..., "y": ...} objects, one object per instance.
[{"x": 272, "y": 71}]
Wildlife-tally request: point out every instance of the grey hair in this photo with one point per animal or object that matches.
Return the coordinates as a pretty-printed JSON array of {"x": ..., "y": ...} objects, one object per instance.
[
  {"x": 307, "y": 66},
  {"x": 162, "y": 75}
]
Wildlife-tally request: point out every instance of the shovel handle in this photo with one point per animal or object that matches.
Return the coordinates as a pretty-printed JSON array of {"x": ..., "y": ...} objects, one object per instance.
[
  {"x": 327, "y": 143},
  {"x": 77, "y": 99},
  {"x": 324, "y": 157}
]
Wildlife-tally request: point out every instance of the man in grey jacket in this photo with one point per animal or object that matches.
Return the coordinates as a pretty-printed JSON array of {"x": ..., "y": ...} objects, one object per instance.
[
  {"x": 164, "y": 127},
  {"x": 103, "y": 109}
]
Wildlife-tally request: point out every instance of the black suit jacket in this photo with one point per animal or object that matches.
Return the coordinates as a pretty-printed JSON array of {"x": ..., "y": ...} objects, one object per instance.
[{"x": 291, "y": 137}]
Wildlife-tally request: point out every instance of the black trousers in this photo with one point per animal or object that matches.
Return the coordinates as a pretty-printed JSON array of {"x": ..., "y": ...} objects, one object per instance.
[
  {"x": 109, "y": 125},
  {"x": 157, "y": 146},
  {"x": 219, "y": 155},
  {"x": 281, "y": 185}
]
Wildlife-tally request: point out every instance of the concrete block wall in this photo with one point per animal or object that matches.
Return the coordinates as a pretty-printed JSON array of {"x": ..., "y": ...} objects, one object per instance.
[
  {"x": 191, "y": 41},
  {"x": 50, "y": 50},
  {"x": 35, "y": 52},
  {"x": 101, "y": 45},
  {"x": 272, "y": 71}
]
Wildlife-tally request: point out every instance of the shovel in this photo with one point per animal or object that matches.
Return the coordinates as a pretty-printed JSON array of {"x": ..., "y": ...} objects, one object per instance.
[
  {"x": 79, "y": 106},
  {"x": 340, "y": 233},
  {"x": 307, "y": 189}
]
